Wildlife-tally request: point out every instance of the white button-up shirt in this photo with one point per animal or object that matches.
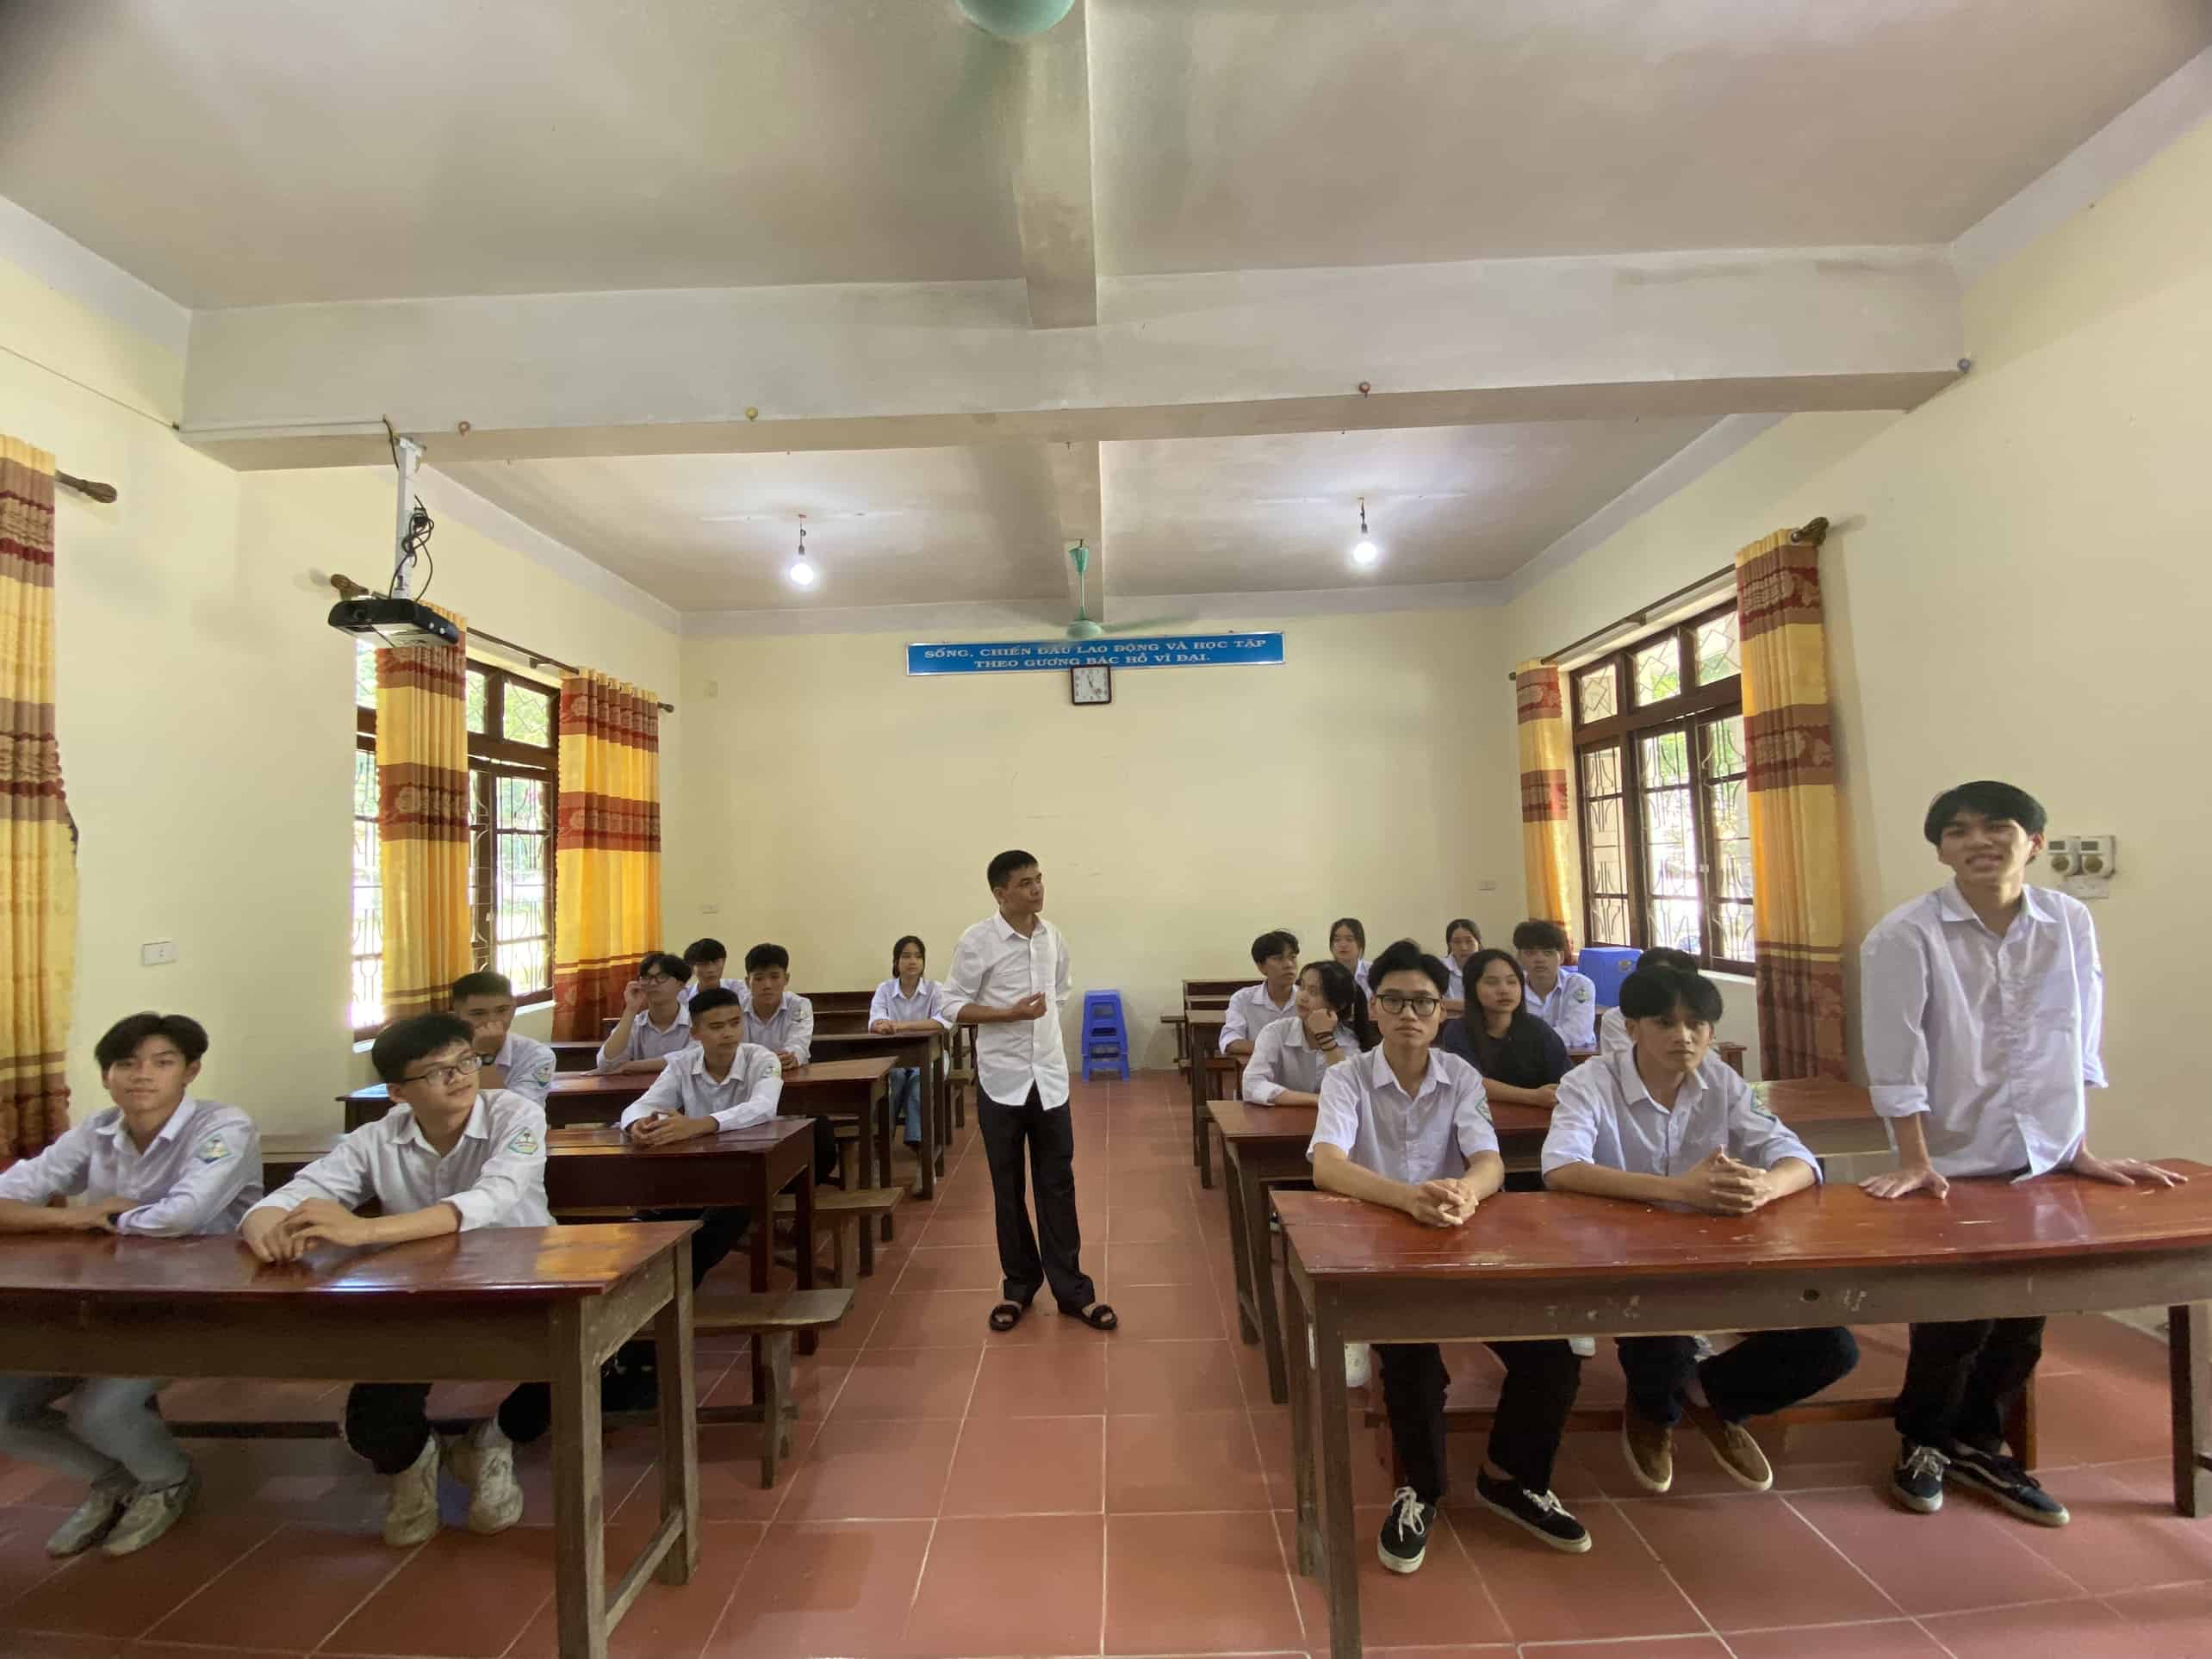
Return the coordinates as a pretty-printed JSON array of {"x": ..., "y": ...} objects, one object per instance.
[
  {"x": 1994, "y": 1040},
  {"x": 646, "y": 1041},
  {"x": 889, "y": 1003},
  {"x": 1455, "y": 988},
  {"x": 996, "y": 966},
  {"x": 1612, "y": 1032},
  {"x": 1571, "y": 1009},
  {"x": 1606, "y": 1116},
  {"x": 1249, "y": 1013},
  {"x": 493, "y": 1177},
  {"x": 747, "y": 1095},
  {"x": 1283, "y": 1057},
  {"x": 790, "y": 1029},
  {"x": 1428, "y": 1137},
  {"x": 527, "y": 1065},
  {"x": 200, "y": 1175}
]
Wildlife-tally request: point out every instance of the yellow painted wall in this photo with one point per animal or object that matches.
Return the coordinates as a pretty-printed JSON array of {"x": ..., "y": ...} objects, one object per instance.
[
  {"x": 2016, "y": 585},
  {"x": 1372, "y": 775}
]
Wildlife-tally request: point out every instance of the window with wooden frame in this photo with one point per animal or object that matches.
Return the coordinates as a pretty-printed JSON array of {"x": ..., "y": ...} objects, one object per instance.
[
  {"x": 1662, "y": 787},
  {"x": 514, "y": 771}
]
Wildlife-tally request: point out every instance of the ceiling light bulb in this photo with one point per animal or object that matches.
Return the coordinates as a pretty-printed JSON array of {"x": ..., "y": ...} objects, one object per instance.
[
  {"x": 801, "y": 573},
  {"x": 1365, "y": 552}
]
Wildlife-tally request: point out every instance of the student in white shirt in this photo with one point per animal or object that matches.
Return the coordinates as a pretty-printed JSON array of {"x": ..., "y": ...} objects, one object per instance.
[
  {"x": 780, "y": 1020},
  {"x": 707, "y": 959},
  {"x": 1462, "y": 938},
  {"x": 1405, "y": 1126},
  {"x": 653, "y": 1023},
  {"x": 1667, "y": 1123},
  {"x": 445, "y": 1158},
  {"x": 1010, "y": 978},
  {"x": 158, "y": 1164},
  {"x": 1984, "y": 1014},
  {"x": 1254, "y": 1008},
  {"x": 1612, "y": 1030},
  {"x": 905, "y": 1004},
  {"x": 1292, "y": 1056},
  {"x": 1563, "y": 999},
  {"x": 522, "y": 1065},
  {"x": 1348, "y": 944}
]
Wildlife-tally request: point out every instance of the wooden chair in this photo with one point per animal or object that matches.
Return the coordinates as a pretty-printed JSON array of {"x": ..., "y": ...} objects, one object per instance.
[
  {"x": 841, "y": 1214},
  {"x": 771, "y": 1320}
]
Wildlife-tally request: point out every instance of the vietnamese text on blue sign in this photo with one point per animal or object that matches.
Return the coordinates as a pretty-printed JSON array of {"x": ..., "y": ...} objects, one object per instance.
[{"x": 1169, "y": 651}]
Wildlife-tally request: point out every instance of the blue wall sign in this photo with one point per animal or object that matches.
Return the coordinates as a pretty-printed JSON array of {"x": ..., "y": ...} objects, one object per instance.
[{"x": 1166, "y": 651}]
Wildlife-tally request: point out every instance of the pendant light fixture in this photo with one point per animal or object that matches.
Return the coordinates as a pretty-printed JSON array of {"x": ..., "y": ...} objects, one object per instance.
[
  {"x": 1364, "y": 551},
  {"x": 801, "y": 573}
]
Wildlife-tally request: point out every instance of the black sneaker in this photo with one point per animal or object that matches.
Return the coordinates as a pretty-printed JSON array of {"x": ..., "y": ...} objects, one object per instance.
[
  {"x": 1404, "y": 1544},
  {"x": 1918, "y": 1481},
  {"x": 1539, "y": 1512},
  {"x": 2010, "y": 1485}
]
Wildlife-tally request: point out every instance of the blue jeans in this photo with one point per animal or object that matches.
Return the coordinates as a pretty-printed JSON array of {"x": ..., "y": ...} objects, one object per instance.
[
  {"x": 906, "y": 1098},
  {"x": 111, "y": 1435}
]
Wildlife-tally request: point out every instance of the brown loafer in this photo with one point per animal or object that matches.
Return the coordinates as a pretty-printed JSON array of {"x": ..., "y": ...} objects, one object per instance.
[
  {"x": 1649, "y": 1449},
  {"x": 1733, "y": 1447}
]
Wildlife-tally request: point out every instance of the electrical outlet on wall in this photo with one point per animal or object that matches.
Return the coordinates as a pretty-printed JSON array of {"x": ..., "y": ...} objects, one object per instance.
[
  {"x": 709, "y": 910},
  {"x": 159, "y": 952}
]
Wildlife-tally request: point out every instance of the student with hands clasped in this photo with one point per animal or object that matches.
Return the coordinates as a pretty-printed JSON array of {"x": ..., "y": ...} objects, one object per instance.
[
  {"x": 158, "y": 1164},
  {"x": 1665, "y": 1122},
  {"x": 907, "y": 1003},
  {"x": 1293, "y": 1056},
  {"x": 1984, "y": 1010},
  {"x": 654, "y": 1022},
  {"x": 1405, "y": 1126}
]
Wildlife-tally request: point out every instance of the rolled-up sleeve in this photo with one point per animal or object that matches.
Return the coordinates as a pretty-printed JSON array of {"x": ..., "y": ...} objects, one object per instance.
[
  {"x": 223, "y": 1163},
  {"x": 514, "y": 1171},
  {"x": 59, "y": 1172},
  {"x": 1573, "y": 1136},
  {"x": 664, "y": 1096},
  {"x": 1337, "y": 1123},
  {"x": 1262, "y": 1085},
  {"x": 1894, "y": 1000},
  {"x": 2089, "y": 986},
  {"x": 763, "y": 1089}
]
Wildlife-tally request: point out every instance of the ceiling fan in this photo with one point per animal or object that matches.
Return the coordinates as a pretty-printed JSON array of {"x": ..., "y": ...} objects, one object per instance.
[{"x": 1084, "y": 627}]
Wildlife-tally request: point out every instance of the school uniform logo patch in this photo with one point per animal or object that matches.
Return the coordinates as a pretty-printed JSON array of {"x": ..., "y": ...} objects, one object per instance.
[
  {"x": 1580, "y": 991},
  {"x": 213, "y": 1150},
  {"x": 524, "y": 1142}
]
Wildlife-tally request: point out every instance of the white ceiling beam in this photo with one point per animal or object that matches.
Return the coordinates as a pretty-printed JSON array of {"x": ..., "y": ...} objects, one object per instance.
[
  {"x": 1199, "y": 355},
  {"x": 1047, "y": 119}
]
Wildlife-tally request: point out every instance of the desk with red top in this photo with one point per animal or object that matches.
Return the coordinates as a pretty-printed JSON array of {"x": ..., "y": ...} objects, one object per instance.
[
  {"x": 495, "y": 1304},
  {"x": 1555, "y": 1264},
  {"x": 925, "y": 1051}
]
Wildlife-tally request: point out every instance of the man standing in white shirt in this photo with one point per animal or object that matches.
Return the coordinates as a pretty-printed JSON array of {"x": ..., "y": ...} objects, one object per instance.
[
  {"x": 1009, "y": 976},
  {"x": 1984, "y": 1010}
]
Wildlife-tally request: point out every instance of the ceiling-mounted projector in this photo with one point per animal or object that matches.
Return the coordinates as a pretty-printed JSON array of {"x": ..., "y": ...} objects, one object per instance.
[{"x": 394, "y": 621}]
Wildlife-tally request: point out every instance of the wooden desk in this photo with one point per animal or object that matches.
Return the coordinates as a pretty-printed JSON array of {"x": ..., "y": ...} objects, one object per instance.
[
  {"x": 496, "y": 1304},
  {"x": 925, "y": 1051},
  {"x": 1555, "y": 1264},
  {"x": 1202, "y": 1035},
  {"x": 573, "y": 1056},
  {"x": 856, "y": 1089},
  {"x": 577, "y": 1099}
]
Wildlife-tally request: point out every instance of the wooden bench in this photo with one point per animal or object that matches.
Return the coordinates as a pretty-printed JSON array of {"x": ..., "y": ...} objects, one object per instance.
[
  {"x": 840, "y": 1214},
  {"x": 771, "y": 1320}
]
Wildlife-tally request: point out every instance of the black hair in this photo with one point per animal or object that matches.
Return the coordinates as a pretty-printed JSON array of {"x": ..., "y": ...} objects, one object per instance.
[
  {"x": 1990, "y": 799},
  {"x": 1279, "y": 942},
  {"x": 1406, "y": 957},
  {"x": 903, "y": 941},
  {"x": 1653, "y": 993},
  {"x": 482, "y": 983},
  {"x": 1005, "y": 864},
  {"x": 1358, "y": 932},
  {"x": 659, "y": 961},
  {"x": 706, "y": 950},
  {"x": 767, "y": 956},
  {"x": 1341, "y": 991},
  {"x": 1666, "y": 956},
  {"x": 1454, "y": 926},
  {"x": 405, "y": 1042},
  {"x": 1522, "y": 1039},
  {"x": 122, "y": 1039},
  {"x": 711, "y": 999},
  {"x": 1540, "y": 936}
]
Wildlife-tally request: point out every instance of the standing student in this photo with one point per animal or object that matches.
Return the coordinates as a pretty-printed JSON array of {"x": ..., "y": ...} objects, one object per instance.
[
  {"x": 1521, "y": 1058},
  {"x": 1010, "y": 976},
  {"x": 446, "y": 1159},
  {"x": 655, "y": 1022},
  {"x": 509, "y": 1059},
  {"x": 1985, "y": 1012},
  {"x": 1348, "y": 944},
  {"x": 908, "y": 1003},
  {"x": 1563, "y": 999},
  {"x": 707, "y": 959},
  {"x": 1255, "y": 1008},
  {"x": 776, "y": 1018},
  {"x": 1665, "y": 1122},
  {"x": 157, "y": 1163},
  {"x": 1462, "y": 938},
  {"x": 1292, "y": 1056},
  {"x": 1612, "y": 1030},
  {"x": 1404, "y": 1127}
]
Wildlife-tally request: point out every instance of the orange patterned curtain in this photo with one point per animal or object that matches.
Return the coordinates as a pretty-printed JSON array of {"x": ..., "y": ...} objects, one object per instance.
[
  {"x": 1547, "y": 756},
  {"x": 1796, "y": 857},
  {"x": 38, "y": 854},
  {"x": 606, "y": 849},
  {"x": 422, "y": 821}
]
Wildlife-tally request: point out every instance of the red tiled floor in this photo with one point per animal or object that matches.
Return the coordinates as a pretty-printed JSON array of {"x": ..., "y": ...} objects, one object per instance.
[
  {"x": 840, "y": 1588},
  {"x": 873, "y": 1471},
  {"x": 1617, "y": 1589},
  {"x": 1015, "y": 1585},
  {"x": 1155, "y": 1603},
  {"x": 2175, "y": 1620},
  {"x": 2079, "y": 1629},
  {"x": 1049, "y": 1380},
  {"x": 1171, "y": 1376},
  {"x": 93, "y": 1596},
  {"x": 1164, "y": 1313},
  {"x": 1682, "y": 1647},
  {"x": 1730, "y": 1556},
  {"x": 667, "y": 1621},
  {"x": 1897, "y": 1639},
  {"x": 1194, "y": 1460},
  {"x": 2122, "y": 1536},
  {"x": 1028, "y": 1466},
  {"x": 1968, "y": 1555},
  {"x": 458, "y": 1595},
  {"x": 291, "y": 1591},
  {"x": 887, "y": 1382},
  {"x": 1131, "y": 1264},
  {"x": 955, "y": 1267},
  {"x": 1446, "y": 1601}
]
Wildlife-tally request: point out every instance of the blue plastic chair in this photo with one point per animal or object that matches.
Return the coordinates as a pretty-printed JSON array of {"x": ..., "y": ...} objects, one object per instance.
[{"x": 1105, "y": 1034}]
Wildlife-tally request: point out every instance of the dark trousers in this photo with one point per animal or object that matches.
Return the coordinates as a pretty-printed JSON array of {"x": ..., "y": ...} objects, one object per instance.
[
  {"x": 1050, "y": 1139},
  {"x": 1541, "y": 1378},
  {"x": 1963, "y": 1378},
  {"x": 387, "y": 1422},
  {"x": 1766, "y": 1371}
]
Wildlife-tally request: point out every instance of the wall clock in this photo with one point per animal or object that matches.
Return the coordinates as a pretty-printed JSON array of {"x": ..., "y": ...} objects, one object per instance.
[{"x": 1091, "y": 685}]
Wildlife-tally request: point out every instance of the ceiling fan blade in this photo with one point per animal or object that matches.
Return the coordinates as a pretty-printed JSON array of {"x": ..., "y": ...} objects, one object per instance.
[{"x": 1151, "y": 624}]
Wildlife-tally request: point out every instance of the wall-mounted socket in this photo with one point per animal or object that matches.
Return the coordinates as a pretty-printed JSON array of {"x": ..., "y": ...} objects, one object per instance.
[
  {"x": 709, "y": 910},
  {"x": 2085, "y": 865},
  {"x": 159, "y": 953},
  {"x": 1486, "y": 886}
]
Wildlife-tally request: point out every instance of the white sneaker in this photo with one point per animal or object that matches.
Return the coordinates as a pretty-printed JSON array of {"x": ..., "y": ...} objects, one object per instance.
[
  {"x": 483, "y": 1461},
  {"x": 1586, "y": 1347},
  {"x": 152, "y": 1511},
  {"x": 1355, "y": 1367},
  {"x": 410, "y": 1511},
  {"x": 90, "y": 1520}
]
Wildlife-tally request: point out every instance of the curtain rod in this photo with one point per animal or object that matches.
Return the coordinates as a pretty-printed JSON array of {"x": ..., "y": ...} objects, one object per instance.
[
  {"x": 93, "y": 487},
  {"x": 1815, "y": 531}
]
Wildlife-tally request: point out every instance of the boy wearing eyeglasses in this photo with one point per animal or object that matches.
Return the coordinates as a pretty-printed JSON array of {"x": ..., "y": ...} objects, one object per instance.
[
  {"x": 447, "y": 1157},
  {"x": 653, "y": 1023},
  {"x": 1405, "y": 1125}
]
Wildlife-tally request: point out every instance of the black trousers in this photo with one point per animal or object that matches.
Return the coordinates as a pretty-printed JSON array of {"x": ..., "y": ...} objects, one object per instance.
[
  {"x": 1962, "y": 1379},
  {"x": 387, "y": 1422},
  {"x": 1766, "y": 1371},
  {"x": 1050, "y": 1139},
  {"x": 1541, "y": 1378}
]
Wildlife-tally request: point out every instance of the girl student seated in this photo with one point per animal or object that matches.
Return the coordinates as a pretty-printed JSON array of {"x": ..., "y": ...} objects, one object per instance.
[
  {"x": 1521, "y": 1058},
  {"x": 1348, "y": 944},
  {"x": 1462, "y": 938},
  {"x": 1290, "y": 1057},
  {"x": 906, "y": 1003}
]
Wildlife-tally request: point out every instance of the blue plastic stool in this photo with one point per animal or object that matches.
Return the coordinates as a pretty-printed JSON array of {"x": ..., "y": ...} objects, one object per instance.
[{"x": 1105, "y": 1036}]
